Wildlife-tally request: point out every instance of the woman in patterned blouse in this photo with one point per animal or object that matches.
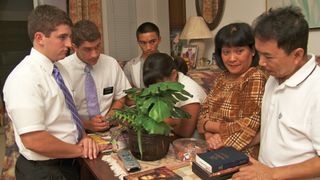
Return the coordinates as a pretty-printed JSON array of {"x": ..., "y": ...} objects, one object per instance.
[{"x": 230, "y": 116}]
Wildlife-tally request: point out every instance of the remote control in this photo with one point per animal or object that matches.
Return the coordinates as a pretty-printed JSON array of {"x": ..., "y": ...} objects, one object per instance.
[{"x": 130, "y": 163}]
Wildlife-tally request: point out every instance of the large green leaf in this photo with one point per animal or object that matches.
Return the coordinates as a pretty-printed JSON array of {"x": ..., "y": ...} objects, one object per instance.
[
  {"x": 153, "y": 89},
  {"x": 152, "y": 106},
  {"x": 186, "y": 93},
  {"x": 171, "y": 86},
  {"x": 153, "y": 127},
  {"x": 179, "y": 113},
  {"x": 180, "y": 97},
  {"x": 159, "y": 111}
]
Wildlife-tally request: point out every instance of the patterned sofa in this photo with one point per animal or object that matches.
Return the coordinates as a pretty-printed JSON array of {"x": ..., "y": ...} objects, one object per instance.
[{"x": 11, "y": 149}]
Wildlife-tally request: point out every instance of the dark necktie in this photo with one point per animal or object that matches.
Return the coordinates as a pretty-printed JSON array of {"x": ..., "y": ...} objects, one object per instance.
[
  {"x": 69, "y": 101},
  {"x": 91, "y": 93}
]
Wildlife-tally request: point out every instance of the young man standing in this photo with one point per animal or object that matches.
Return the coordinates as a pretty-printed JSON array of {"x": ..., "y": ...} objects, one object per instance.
[
  {"x": 88, "y": 69},
  {"x": 290, "y": 121},
  {"x": 148, "y": 37},
  {"x": 47, "y": 128}
]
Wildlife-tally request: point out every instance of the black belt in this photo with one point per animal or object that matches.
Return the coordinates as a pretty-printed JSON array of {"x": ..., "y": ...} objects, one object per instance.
[{"x": 56, "y": 162}]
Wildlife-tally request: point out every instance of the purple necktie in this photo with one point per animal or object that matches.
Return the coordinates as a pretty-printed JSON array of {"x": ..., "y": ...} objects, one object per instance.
[
  {"x": 91, "y": 93},
  {"x": 69, "y": 101}
]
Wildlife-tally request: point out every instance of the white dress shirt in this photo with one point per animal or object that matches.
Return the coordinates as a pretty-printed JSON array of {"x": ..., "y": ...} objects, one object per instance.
[
  {"x": 107, "y": 75},
  {"x": 35, "y": 102},
  {"x": 134, "y": 71},
  {"x": 290, "y": 120}
]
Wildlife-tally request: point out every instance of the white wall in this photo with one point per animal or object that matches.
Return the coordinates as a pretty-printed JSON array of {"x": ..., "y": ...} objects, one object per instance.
[
  {"x": 245, "y": 11},
  {"x": 314, "y": 42},
  {"x": 156, "y": 11}
]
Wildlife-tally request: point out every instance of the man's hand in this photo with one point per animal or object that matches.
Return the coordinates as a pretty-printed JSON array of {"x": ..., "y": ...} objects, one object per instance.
[
  {"x": 214, "y": 140},
  {"x": 255, "y": 171},
  {"x": 89, "y": 148},
  {"x": 96, "y": 123}
]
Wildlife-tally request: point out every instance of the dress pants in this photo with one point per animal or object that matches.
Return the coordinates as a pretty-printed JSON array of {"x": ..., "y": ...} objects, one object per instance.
[{"x": 55, "y": 169}]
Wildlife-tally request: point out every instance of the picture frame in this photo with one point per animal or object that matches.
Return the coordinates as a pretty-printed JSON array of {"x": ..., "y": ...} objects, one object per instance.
[
  {"x": 211, "y": 11},
  {"x": 189, "y": 54},
  {"x": 310, "y": 9}
]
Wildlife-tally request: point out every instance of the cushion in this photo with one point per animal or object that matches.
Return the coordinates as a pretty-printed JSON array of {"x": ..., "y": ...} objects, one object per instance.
[
  {"x": 204, "y": 78},
  {"x": 11, "y": 151}
]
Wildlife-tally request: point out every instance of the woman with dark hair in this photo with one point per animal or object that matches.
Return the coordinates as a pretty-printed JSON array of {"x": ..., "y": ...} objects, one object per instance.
[
  {"x": 230, "y": 116},
  {"x": 160, "y": 67}
]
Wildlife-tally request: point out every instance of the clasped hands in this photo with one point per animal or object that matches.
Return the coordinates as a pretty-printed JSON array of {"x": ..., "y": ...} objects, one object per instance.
[{"x": 97, "y": 123}]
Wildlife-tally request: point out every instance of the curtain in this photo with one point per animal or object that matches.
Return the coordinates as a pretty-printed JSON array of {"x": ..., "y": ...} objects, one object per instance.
[{"x": 87, "y": 9}]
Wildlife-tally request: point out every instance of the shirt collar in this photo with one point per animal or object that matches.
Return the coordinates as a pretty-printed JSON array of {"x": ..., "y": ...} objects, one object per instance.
[
  {"x": 303, "y": 73},
  {"x": 78, "y": 61},
  {"x": 41, "y": 59}
]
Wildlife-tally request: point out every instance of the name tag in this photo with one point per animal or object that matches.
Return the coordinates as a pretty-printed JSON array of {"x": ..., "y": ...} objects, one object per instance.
[{"x": 107, "y": 90}]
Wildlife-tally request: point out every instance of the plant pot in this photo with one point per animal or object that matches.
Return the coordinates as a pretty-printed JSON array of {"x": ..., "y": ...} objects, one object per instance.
[{"x": 154, "y": 147}]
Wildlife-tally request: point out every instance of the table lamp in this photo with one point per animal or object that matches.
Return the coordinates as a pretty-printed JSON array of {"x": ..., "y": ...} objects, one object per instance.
[{"x": 194, "y": 31}]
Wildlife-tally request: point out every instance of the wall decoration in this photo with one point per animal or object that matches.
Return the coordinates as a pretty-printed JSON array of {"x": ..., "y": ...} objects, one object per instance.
[
  {"x": 310, "y": 9},
  {"x": 211, "y": 11}
]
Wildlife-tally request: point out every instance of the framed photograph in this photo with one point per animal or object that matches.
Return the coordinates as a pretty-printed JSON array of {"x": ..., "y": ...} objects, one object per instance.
[
  {"x": 310, "y": 9},
  {"x": 189, "y": 54}
]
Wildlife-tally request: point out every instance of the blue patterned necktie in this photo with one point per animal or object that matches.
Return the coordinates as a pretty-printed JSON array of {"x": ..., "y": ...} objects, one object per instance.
[
  {"x": 91, "y": 93},
  {"x": 69, "y": 101}
]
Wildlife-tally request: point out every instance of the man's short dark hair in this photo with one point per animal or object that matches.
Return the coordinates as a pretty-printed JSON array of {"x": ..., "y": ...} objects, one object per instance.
[
  {"x": 85, "y": 30},
  {"x": 147, "y": 27},
  {"x": 45, "y": 19},
  {"x": 285, "y": 25}
]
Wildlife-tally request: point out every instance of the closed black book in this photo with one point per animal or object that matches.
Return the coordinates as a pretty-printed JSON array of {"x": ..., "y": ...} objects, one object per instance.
[
  {"x": 201, "y": 173},
  {"x": 220, "y": 159}
]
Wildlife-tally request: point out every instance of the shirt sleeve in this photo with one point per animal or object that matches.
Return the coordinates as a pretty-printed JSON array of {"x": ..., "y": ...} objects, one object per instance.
[
  {"x": 198, "y": 94},
  {"x": 24, "y": 103},
  {"x": 204, "y": 110}
]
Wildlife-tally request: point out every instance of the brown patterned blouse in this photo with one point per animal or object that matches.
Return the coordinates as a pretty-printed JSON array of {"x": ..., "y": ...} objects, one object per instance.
[{"x": 237, "y": 106}]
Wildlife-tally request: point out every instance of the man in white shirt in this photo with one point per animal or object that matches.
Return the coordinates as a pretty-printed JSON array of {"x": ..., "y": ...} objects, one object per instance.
[
  {"x": 148, "y": 37},
  {"x": 290, "y": 121},
  {"x": 47, "y": 129},
  {"x": 108, "y": 77}
]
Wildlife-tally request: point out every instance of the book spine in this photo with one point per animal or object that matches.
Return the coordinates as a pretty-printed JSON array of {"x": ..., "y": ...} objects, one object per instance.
[
  {"x": 202, "y": 163},
  {"x": 211, "y": 169}
]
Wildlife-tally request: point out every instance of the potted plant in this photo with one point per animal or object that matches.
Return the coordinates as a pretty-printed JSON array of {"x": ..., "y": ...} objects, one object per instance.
[{"x": 145, "y": 120}]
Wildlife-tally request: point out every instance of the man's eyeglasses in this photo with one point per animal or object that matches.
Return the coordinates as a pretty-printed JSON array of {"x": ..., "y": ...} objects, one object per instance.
[{"x": 151, "y": 42}]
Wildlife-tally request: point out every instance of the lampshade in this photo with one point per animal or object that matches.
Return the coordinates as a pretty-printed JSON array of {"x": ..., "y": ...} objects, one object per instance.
[{"x": 195, "y": 28}]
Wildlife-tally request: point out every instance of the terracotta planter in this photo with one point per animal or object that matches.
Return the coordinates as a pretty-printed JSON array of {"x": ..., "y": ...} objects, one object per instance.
[{"x": 154, "y": 147}]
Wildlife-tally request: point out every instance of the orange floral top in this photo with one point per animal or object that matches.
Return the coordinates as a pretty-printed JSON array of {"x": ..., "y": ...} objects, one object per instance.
[{"x": 237, "y": 106}]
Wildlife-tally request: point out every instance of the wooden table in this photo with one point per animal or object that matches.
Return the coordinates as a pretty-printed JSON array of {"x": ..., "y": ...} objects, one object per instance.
[{"x": 96, "y": 169}]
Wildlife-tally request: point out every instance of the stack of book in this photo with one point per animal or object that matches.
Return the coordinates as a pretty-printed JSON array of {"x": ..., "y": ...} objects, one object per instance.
[{"x": 219, "y": 164}]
